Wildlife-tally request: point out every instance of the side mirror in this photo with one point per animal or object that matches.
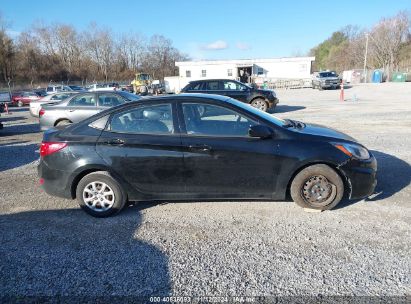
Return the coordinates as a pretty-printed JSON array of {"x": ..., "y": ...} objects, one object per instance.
[{"x": 260, "y": 131}]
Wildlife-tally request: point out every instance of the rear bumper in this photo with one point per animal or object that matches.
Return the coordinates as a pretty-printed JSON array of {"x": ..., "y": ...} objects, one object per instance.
[
  {"x": 55, "y": 182},
  {"x": 361, "y": 177}
]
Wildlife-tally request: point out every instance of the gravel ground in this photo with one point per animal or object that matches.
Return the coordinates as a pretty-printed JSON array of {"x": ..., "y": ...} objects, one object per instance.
[{"x": 49, "y": 247}]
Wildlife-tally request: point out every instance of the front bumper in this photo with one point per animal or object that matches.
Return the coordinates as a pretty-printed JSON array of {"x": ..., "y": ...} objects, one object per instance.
[
  {"x": 361, "y": 177},
  {"x": 329, "y": 85},
  {"x": 272, "y": 102}
]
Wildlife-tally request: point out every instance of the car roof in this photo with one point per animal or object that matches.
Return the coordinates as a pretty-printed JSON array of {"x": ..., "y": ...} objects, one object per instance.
[
  {"x": 186, "y": 96},
  {"x": 216, "y": 79}
]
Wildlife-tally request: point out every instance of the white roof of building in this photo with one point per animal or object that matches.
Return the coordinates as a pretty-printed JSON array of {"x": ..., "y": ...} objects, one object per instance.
[{"x": 244, "y": 61}]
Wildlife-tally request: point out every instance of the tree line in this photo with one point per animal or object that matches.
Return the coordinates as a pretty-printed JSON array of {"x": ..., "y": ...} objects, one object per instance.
[
  {"x": 60, "y": 53},
  {"x": 385, "y": 45}
]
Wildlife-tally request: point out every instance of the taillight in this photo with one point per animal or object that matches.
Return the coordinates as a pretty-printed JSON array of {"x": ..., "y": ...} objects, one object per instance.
[
  {"x": 48, "y": 148},
  {"x": 41, "y": 112}
]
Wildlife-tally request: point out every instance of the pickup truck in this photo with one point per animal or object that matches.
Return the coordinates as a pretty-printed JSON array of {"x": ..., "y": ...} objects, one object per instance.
[{"x": 326, "y": 80}]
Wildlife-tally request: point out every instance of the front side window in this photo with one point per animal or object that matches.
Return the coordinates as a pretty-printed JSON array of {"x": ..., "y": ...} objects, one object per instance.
[
  {"x": 203, "y": 73},
  {"x": 83, "y": 101},
  {"x": 153, "y": 119},
  {"x": 260, "y": 71},
  {"x": 109, "y": 100},
  {"x": 211, "y": 120},
  {"x": 231, "y": 85}
]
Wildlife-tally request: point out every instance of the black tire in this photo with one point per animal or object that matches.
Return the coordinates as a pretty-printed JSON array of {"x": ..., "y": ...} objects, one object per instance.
[
  {"x": 317, "y": 178},
  {"x": 100, "y": 177},
  {"x": 260, "y": 103},
  {"x": 313, "y": 85},
  {"x": 64, "y": 122}
]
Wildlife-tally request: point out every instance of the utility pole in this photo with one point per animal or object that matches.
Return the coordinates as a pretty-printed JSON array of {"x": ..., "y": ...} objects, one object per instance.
[{"x": 365, "y": 57}]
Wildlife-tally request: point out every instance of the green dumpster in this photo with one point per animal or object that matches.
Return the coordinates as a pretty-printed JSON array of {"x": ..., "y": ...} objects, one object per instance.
[{"x": 399, "y": 77}]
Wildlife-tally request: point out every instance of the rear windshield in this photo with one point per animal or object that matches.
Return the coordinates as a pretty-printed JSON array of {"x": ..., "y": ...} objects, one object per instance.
[{"x": 129, "y": 96}]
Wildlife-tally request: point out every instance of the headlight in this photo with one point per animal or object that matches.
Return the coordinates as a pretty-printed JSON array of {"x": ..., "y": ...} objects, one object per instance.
[{"x": 353, "y": 150}]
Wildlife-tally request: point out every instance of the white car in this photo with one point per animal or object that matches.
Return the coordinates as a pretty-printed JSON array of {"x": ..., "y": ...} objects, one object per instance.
[
  {"x": 35, "y": 106},
  {"x": 103, "y": 87}
]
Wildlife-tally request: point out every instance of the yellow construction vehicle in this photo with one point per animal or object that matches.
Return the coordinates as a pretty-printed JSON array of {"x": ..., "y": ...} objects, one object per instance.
[{"x": 142, "y": 83}]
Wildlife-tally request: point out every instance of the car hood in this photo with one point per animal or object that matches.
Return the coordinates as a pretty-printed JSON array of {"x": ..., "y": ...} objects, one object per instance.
[{"x": 319, "y": 130}]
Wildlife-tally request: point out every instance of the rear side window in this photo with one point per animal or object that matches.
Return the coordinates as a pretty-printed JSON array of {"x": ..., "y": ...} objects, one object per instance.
[
  {"x": 83, "y": 101},
  {"x": 153, "y": 119},
  {"x": 109, "y": 100},
  {"x": 197, "y": 86}
]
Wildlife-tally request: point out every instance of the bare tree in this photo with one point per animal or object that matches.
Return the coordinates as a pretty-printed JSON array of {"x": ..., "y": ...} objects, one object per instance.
[
  {"x": 386, "y": 39},
  {"x": 100, "y": 47}
]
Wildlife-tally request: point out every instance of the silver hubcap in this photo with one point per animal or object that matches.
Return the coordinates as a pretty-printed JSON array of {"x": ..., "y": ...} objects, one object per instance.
[
  {"x": 259, "y": 104},
  {"x": 98, "y": 196},
  {"x": 317, "y": 190}
]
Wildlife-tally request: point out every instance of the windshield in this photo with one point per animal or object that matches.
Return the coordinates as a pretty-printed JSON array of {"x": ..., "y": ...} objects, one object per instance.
[
  {"x": 328, "y": 74},
  {"x": 129, "y": 96},
  {"x": 279, "y": 122}
]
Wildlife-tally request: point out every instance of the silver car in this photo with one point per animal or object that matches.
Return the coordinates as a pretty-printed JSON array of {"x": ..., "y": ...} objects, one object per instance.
[
  {"x": 36, "y": 105},
  {"x": 81, "y": 106}
]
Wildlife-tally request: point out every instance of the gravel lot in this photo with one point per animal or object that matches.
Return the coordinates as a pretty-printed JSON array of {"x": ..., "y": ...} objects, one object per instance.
[{"x": 49, "y": 247}]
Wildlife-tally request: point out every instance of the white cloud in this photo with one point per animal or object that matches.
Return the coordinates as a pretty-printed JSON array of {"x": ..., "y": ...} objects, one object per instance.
[
  {"x": 243, "y": 46},
  {"x": 216, "y": 45}
]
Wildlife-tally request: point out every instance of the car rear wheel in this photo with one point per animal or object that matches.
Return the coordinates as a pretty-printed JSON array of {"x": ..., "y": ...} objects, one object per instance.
[
  {"x": 63, "y": 122},
  {"x": 260, "y": 103},
  {"x": 317, "y": 187},
  {"x": 100, "y": 195}
]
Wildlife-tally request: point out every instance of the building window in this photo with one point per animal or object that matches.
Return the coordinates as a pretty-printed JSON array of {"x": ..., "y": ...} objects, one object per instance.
[
  {"x": 229, "y": 72},
  {"x": 260, "y": 71},
  {"x": 188, "y": 73},
  {"x": 203, "y": 73}
]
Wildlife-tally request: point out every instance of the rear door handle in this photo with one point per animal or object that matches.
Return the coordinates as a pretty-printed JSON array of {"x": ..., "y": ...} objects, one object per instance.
[
  {"x": 72, "y": 110},
  {"x": 115, "y": 142},
  {"x": 199, "y": 148}
]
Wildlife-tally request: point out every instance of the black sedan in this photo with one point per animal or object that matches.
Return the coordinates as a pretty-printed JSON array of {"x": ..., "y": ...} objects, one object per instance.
[
  {"x": 258, "y": 98},
  {"x": 200, "y": 147}
]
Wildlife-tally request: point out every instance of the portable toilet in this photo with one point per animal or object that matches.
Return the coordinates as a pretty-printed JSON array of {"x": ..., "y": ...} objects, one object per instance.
[{"x": 377, "y": 76}]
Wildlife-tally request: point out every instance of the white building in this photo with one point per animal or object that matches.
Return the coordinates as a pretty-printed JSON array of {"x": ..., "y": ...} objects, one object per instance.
[{"x": 242, "y": 69}]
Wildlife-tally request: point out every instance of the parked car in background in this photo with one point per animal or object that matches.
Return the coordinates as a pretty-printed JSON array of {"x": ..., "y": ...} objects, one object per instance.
[
  {"x": 36, "y": 105},
  {"x": 58, "y": 88},
  {"x": 326, "y": 80},
  {"x": 5, "y": 98},
  {"x": 258, "y": 98},
  {"x": 103, "y": 87},
  {"x": 77, "y": 88},
  {"x": 24, "y": 98},
  {"x": 81, "y": 106},
  {"x": 201, "y": 147}
]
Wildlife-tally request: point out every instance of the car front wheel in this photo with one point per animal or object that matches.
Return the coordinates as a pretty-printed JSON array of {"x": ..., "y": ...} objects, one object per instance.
[
  {"x": 260, "y": 103},
  {"x": 100, "y": 195},
  {"x": 317, "y": 187}
]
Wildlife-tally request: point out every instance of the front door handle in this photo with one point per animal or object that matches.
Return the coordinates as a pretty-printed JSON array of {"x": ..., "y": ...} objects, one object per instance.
[
  {"x": 199, "y": 148},
  {"x": 115, "y": 142}
]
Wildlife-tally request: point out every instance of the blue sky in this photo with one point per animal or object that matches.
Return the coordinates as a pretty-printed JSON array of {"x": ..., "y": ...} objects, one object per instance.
[{"x": 212, "y": 29}]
